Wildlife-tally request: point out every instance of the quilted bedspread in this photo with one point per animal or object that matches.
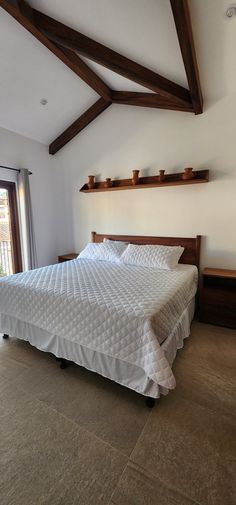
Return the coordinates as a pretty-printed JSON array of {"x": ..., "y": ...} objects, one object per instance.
[{"x": 119, "y": 310}]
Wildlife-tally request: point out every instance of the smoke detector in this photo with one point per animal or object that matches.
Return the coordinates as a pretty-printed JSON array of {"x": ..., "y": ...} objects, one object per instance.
[{"x": 231, "y": 11}]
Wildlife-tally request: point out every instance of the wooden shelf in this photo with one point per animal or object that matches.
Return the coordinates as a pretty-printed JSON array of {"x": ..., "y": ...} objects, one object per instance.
[{"x": 200, "y": 176}]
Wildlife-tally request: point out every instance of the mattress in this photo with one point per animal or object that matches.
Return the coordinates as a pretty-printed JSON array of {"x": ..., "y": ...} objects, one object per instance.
[{"x": 110, "y": 312}]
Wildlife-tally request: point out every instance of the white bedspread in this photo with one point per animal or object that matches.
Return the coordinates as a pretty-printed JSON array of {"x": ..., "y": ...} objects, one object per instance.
[{"x": 121, "y": 311}]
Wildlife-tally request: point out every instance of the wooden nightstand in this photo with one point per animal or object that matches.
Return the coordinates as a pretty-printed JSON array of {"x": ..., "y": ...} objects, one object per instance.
[
  {"x": 67, "y": 257},
  {"x": 218, "y": 297}
]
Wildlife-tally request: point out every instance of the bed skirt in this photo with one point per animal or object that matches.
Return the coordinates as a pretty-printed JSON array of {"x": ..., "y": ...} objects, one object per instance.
[{"x": 124, "y": 373}]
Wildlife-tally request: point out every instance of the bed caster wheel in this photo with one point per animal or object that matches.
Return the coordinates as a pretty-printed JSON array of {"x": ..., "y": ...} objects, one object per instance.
[
  {"x": 63, "y": 364},
  {"x": 58, "y": 359},
  {"x": 150, "y": 402},
  {"x": 5, "y": 336}
]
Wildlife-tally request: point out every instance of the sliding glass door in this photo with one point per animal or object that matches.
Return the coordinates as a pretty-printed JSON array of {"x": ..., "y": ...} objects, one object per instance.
[{"x": 10, "y": 253}]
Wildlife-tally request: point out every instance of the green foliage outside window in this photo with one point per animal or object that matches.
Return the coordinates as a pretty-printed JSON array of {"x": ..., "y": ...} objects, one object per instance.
[{"x": 1, "y": 270}]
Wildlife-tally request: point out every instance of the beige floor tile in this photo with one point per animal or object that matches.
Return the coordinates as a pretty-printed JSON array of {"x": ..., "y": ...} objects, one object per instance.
[
  {"x": 3, "y": 384},
  {"x": 91, "y": 479},
  {"x": 42, "y": 379},
  {"x": 115, "y": 414},
  {"x": 18, "y": 357},
  {"x": 205, "y": 369},
  {"x": 184, "y": 451},
  {"x": 213, "y": 344},
  {"x": 190, "y": 449},
  {"x": 11, "y": 368},
  {"x": 138, "y": 487},
  {"x": 61, "y": 387},
  {"x": 214, "y": 390},
  {"x": 61, "y": 495},
  {"x": 41, "y": 449},
  {"x": 24, "y": 351},
  {"x": 112, "y": 412}
]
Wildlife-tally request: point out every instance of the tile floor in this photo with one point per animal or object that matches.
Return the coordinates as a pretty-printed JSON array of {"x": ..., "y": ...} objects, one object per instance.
[{"x": 70, "y": 437}]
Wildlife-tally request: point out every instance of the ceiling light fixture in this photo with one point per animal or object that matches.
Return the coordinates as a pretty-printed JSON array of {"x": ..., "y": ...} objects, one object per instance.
[
  {"x": 43, "y": 101},
  {"x": 231, "y": 11}
]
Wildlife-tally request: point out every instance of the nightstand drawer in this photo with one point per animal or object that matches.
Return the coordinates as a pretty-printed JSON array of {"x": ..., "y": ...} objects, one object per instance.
[
  {"x": 218, "y": 314},
  {"x": 219, "y": 296},
  {"x": 219, "y": 283}
]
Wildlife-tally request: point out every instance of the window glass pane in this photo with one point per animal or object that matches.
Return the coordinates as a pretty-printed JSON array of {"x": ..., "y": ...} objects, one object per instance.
[{"x": 6, "y": 263}]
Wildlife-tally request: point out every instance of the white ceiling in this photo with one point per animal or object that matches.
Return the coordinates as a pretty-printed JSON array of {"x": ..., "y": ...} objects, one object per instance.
[
  {"x": 142, "y": 30},
  {"x": 115, "y": 81}
]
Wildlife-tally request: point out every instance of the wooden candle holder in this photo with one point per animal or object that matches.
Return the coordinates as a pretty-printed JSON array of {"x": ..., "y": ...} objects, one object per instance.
[
  {"x": 108, "y": 183},
  {"x": 161, "y": 175},
  {"x": 91, "y": 181},
  {"x": 135, "y": 178},
  {"x": 188, "y": 174}
]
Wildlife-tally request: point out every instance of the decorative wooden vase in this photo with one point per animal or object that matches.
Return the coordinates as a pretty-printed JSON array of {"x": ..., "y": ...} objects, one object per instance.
[
  {"x": 161, "y": 175},
  {"x": 135, "y": 178},
  {"x": 108, "y": 182},
  {"x": 188, "y": 174},
  {"x": 91, "y": 181}
]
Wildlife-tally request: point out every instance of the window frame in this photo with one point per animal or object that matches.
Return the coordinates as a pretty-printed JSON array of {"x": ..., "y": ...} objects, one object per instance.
[{"x": 14, "y": 224}]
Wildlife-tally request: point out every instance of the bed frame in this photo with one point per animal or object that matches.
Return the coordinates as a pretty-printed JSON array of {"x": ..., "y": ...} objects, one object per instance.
[{"x": 191, "y": 256}]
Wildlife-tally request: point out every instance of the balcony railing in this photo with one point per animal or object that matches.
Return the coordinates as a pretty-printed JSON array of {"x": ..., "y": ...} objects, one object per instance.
[{"x": 5, "y": 258}]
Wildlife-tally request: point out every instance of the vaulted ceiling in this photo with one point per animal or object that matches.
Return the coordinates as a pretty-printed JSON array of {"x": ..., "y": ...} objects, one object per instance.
[{"x": 40, "y": 61}]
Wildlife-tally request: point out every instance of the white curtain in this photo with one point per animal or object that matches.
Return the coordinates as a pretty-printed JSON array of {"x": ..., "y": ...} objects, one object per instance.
[{"x": 29, "y": 255}]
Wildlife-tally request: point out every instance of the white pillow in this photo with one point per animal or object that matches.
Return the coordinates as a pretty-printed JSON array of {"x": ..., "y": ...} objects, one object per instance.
[
  {"x": 103, "y": 251},
  {"x": 156, "y": 256},
  {"x": 115, "y": 241}
]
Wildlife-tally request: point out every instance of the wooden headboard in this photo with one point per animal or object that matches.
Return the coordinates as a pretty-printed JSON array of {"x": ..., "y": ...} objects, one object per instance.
[{"x": 191, "y": 254}]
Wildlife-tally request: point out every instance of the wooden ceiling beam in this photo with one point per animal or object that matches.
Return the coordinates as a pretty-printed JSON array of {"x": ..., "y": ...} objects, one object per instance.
[
  {"x": 24, "y": 14},
  {"x": 23, "y": 7},
  {"x": 85, "y": 72},
  {"x": 147, "y": 100},
  {"x": 182, "y": 20},
  {"x": 97, "y": 108},
  {"x": 64, "y": 41},
  {"x": 72, "y": 39}
]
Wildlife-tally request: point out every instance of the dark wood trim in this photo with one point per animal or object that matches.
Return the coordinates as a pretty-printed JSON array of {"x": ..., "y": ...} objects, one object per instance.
[
  {"x": 25, "y": 16},
  {"x": 44, "y": 28},
  {"x": 14, "y": 223},
  {"x": 23, "y": 7},
  {"x": 182, "y": 20},
  {"x": 191, "y": 254},
  {"x": 86, "y": 73},
  {"x": 147, "y": 100},
  {"x": 220, "y": 272},
  {"x": 78, "y": 125},
  {"x": 10, "y": 7},
  {"x": 72, "y": 39},
  {"x": 67, "y": 257},
  {"x": 198, "y": 251}
]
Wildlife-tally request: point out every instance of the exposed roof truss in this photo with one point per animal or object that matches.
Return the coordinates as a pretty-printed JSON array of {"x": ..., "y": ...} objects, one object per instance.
[{"x": 67, "y": 44}]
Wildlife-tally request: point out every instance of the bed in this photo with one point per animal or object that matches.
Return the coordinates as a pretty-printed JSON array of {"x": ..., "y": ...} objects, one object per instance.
[{"x": 123, "y": 322}]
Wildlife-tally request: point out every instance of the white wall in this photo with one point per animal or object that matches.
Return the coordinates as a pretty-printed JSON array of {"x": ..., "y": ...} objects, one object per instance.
[
  {"x": 18, "y": 151},
  {"x": 124, "y": 138}
]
